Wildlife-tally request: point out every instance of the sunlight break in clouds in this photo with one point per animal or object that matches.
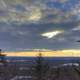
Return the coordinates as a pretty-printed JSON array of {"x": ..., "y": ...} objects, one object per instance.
[
  {"x": 35, "y": 15},
  {"x": 52, "y": 34}
]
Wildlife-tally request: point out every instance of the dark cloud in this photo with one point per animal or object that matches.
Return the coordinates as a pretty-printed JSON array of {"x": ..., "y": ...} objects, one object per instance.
[{"x": 23, "y": 21}]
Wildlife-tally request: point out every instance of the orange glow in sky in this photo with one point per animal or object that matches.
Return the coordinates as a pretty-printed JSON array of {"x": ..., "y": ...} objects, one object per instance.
[{"x": 58, "y": 53}]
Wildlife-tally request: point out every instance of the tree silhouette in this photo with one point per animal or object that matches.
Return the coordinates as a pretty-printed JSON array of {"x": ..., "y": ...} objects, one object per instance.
[{"x": 40, "y": 69}]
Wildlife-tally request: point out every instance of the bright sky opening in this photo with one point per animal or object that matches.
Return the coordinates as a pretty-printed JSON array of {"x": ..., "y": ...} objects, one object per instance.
[
  {"x": 51, "y": 34},
  {"x": 35, "y": 15}
]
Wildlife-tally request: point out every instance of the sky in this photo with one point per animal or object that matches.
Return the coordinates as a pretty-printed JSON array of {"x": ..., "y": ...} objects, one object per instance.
[{"x": 39, "y": 24}]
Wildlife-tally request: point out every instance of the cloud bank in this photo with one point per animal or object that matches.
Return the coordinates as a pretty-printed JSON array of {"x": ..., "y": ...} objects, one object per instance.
[{"x": 52, "y": 24}]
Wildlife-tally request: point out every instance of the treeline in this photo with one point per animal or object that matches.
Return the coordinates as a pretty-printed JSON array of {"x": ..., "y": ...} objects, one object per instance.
[{"x": 39, "y": 70}]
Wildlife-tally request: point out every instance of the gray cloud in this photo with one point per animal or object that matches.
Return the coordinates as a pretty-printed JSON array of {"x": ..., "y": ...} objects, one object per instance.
[{"x": 23, "y": 21}]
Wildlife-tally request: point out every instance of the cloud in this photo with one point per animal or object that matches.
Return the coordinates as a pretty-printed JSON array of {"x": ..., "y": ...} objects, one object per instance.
[
  {"x": 29, "y": 11},
  {"x": 17, "y": 11},
  {"x": 35, "y": 15},
  {"x": 39, "y": 23},
  {"x": 76, "y": 28},
  {"x": 51, "y": 34}
]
